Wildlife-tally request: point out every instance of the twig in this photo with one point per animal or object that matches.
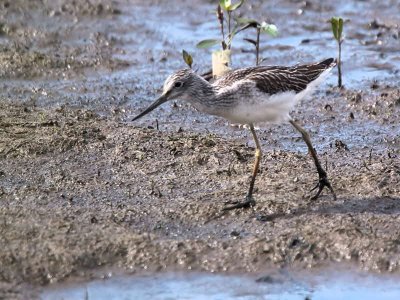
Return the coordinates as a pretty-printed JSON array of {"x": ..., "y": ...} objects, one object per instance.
[{"x": 220, "y": 16}]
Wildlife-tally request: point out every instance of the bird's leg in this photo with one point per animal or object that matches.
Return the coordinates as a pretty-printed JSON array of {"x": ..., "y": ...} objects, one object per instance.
[
  {"x": 323, "y": 178},
  {"x": 257, "y": 160},
  {"x": 250, "y": 202}
]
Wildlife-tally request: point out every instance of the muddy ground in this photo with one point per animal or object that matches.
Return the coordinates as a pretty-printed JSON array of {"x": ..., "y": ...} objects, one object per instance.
[{"x": 82, "y": 188}]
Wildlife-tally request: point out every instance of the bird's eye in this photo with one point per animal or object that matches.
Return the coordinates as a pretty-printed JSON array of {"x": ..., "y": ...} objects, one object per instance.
[{"x": 178, "y": 84}]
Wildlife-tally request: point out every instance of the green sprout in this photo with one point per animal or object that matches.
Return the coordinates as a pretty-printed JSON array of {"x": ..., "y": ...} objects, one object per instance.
[
  {"x": 262, "y": 27},
  {"x": 231, "y": 26},
  {"x": 337, "y": 29},
  {"x": 269, "y": 29},
  {"x": 187, "y": 58},
  {"x": 226, "y": 39},
  {"x": 227, "y": 6}
]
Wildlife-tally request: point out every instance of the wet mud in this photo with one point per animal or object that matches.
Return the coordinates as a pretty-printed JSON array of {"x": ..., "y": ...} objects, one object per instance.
[{"x": 83, "y": 189}]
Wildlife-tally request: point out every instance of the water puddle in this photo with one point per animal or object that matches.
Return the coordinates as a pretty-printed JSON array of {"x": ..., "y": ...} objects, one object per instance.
[
  {"x": 366, "y": 53},
  {"x": 323, "y": 285}
]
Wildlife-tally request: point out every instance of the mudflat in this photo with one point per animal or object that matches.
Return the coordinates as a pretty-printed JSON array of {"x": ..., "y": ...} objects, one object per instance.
[{"x": 83, "y": 189}]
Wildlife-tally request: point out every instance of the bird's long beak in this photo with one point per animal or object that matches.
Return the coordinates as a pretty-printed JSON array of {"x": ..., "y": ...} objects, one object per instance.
[{"x": 155, "y": 104}]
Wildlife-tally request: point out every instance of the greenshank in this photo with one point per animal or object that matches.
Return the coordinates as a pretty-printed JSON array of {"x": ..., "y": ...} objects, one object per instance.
[{"x": 261, "y": 94}]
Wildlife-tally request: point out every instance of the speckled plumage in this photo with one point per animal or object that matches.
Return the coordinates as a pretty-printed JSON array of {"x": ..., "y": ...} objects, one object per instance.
[
  {"x": 248, "y": 96},
  {"x": 278, "y": 79}
]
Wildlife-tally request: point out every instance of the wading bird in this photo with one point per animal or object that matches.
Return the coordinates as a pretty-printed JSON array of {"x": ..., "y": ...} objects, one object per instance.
[{"x": 248, "y": 96}]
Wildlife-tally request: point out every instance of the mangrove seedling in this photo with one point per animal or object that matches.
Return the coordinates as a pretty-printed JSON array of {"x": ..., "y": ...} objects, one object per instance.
[
  {"x": 337, "y": 29},
  {"x": 226, "y": 38},
  {"x": 221, "y": 60},
  {"x": 234, "y": 26},
  {"x": 262, "y": 27},
  {"x": 187, "y": 58},
  {"x": 229, "y": 7}
]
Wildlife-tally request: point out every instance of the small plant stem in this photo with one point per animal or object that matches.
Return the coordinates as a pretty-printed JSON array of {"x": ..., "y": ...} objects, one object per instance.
[
  {"x": 258, "y": 45},
  {"x": 340, "y": 65},
  {"x": 229, "y": 27},
  {"x": 220, "y": 15},
  {"x": 222, "y": 31}
]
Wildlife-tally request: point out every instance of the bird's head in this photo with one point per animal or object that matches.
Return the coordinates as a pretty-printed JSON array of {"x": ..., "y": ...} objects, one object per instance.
[{"x": 175, "y": 86}]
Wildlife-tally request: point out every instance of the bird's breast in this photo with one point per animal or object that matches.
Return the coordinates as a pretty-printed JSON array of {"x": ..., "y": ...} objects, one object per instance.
[{"x": 260, "y": 108}]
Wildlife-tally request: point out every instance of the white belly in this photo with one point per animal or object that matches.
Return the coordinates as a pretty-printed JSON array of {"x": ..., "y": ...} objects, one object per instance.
[
  {"x": 270, "y": 109},
  {"x": 250, "y": 105}
]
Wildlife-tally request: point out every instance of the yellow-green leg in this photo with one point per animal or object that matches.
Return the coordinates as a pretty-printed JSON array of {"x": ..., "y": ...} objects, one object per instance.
[{"x": 250, "y": 202}]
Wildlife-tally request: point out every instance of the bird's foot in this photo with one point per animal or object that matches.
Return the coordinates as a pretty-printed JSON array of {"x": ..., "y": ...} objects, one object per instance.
[
  {"x": 249, "y": 202},
  {"x": 322, "y": 182}
]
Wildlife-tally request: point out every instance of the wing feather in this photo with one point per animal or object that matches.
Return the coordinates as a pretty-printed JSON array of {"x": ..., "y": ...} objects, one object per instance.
[{"x": 276, "y": 79}]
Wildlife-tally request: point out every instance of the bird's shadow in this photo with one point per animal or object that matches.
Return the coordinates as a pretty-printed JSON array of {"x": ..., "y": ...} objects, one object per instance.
[{"x": 377, "y": 205}]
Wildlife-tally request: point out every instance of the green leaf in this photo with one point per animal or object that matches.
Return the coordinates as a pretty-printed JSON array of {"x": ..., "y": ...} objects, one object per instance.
[
  {"x": 207, "y": 43},
  {"x": 187, "y": 58},
  {"x": 337, "y": 27},
  {"x": 236, "y": 6},
  {"x": 270, "y": 29},
  {"x": 248, "y": 25},
  {"x": 340, "y": 28},
  {"x": 225, "y": 4},
  {"x": 245, "y": 21}
]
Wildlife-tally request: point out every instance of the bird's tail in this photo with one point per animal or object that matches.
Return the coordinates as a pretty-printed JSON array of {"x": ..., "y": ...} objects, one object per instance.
[{"x": 328, "y": 63}]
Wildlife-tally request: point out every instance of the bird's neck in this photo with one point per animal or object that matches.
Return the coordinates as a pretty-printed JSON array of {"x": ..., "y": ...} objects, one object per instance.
[{"x": 202, "y": 93}]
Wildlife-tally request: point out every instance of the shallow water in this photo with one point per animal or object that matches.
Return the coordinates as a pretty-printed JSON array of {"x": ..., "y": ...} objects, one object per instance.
[
  {"x": 367, "y": 56},
  {"x": 327, "y": 285}
]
